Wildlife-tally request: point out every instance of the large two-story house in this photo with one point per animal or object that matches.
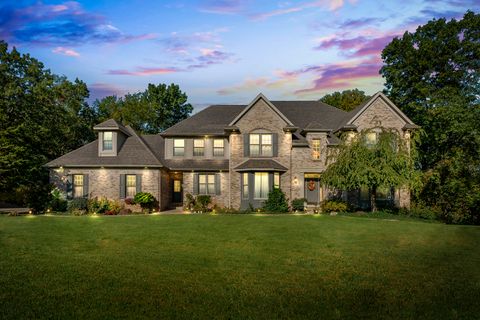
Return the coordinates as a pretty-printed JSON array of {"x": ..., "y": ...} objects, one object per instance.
[{"x": 235, "y": 153}]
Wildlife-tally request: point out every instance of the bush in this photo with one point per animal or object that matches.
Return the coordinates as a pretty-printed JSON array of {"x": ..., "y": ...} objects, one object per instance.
[
  {"x": 329, "y": 206},
  {"x": 146, "y": 200},
  {"x": 189, "y": 201},
  {"x": 124, "y": 211},
  {"x": 77, "y": 204},
  {"x": 129, "y": 201},
  {"x": 276, "y": 202},
  {"x": 298, "y": 204},
  {"x": 58, "y": 202},
  {"x": 422, "y": 212},
  {"x": 202, "y": 202},
  {"x": 98, "y": 206}
]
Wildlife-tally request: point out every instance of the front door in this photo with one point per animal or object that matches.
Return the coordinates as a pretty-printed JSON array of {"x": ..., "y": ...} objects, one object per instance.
[
  {"x": 312, "y": 188},
  {"x": 177, "y": 191}
]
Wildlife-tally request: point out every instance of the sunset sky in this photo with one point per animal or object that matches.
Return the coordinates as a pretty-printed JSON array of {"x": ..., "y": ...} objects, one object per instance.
[{"x": 218, "y": 51}]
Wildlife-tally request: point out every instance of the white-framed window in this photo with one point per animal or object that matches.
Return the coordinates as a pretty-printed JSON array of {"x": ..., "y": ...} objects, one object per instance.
[
  {"x": 218, "y": 148},
  {"x": 198, "y": 147},
  {"x": 261, "y": 144},
  {"x": 206, "y": 183},
  {"x": 130, "y": 185},
  {"x": 276, "y": 180},
  {"x": 179, "y": 147},
  {"x": 371, "y": 138},
  {"x": 261, "y": 186},
  {"x": 78, "y": 186},
  {"x": 245, "y": 194},
  {"x": 316, "y": 149},
  {"x": 107, "y": 141}
]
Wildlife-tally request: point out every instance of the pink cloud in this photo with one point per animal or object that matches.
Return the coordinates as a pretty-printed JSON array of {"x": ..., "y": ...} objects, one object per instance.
[
  {"x": 142, "y": 71},
  {"x": 359, "y": 46},
  {"x": 341, "y": 75},
  {"x": 66, "y": 52},
  {"x": 331, "y": 5},
  {"x": 101, "y": 90}
]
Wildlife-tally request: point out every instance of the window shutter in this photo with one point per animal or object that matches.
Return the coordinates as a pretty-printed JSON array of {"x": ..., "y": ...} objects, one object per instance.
[
  {"x": 70, "y": 186},
  {"x": 122, "y": 186},
  {"x": 270, "y": 181},
  {"x": 195, "y": 183},
  {"x": 275, "y": 144},
  {"x": 217, "y": 184},
  {"x": 246, "y": 145},
  {"x": 138, "y": 183},
  {"x": 85, "y": 185}
]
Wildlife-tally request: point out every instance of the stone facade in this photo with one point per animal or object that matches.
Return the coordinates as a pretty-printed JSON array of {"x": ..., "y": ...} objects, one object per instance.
[
  {"x": 221, "y": 200},
  {"x": 259, "y": 117},
  {"x": 105, "y": 182}
]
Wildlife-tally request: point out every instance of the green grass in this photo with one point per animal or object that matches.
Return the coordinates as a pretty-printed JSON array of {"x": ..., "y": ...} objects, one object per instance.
[{"x": 237, "y": 266}]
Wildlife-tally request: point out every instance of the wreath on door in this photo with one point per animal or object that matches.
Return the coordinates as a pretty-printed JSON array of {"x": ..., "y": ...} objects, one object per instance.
[{"x": 311, "y": 185}]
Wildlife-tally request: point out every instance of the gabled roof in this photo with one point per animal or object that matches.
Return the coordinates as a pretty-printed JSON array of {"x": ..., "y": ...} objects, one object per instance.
[
  {"x": 111, "y": 124},
  {"x": 364, "y": 106},
  {"x": 134, "y": 152},
  {"x": 260, "y": 96},
  {"x": 260, "y": 164}
]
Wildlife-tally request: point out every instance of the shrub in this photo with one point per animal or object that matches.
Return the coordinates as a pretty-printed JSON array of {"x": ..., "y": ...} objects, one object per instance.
[
  {"x": 298, "y": 204},
  {"x": 276, "y": 202},
  {"x": 77, "y": 204},
  {"x": 59, "y": 205},
  {"x": 329, "y": 206},
  {"x": 189, "y": 201},
  {"x": 124, "y": 211},
  {"x": 203, "y": 201},
  {"x": 98, "y": 206},
  {"x": 129, "y": 201},
  {"x": 146, "y": 200},
  {"x": 422, "y": 212}
]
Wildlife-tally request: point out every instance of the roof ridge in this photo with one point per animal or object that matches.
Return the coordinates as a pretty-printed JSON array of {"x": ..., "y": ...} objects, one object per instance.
[{"x": 134, "y": 133}]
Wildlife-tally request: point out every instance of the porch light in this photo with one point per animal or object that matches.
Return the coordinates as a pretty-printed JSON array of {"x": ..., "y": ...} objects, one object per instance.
[{"x": 295, "y": 180}]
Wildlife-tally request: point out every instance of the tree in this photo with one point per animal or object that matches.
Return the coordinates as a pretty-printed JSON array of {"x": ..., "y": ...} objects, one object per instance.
[
  {"x": 42, "y": 116},
  {"x": 433, "y": 75},
  {"x": 152, "y": 111},
  {"x": 387, "y": 163},
  {"x": 346, "y": 100}
]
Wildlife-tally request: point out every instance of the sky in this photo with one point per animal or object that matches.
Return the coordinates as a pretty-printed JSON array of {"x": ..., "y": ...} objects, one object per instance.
[{"x": 218, "y": 51}]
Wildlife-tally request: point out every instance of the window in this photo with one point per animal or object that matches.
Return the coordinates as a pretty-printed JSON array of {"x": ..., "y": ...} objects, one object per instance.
[
  {"x": 206, "y": 184},
  {"x": 276, "y": 180},
  {"x": 218, "y": 148},
  {"x": 245, "y": 194},
  {"x": 178, "y": 147},
  {"x": 371, "y": 138},
  {"x": 316, "y": 149},
  {"x": 131, "y": 185},
  {"x": 177, "y": 186},
  {"x": 261, "y": 144},
  {"x": 107, "y": 141},
  {"x": 261, "y": 185},
  {"x": 198, "y": 147},
  {"x": 78, "y": 185}
]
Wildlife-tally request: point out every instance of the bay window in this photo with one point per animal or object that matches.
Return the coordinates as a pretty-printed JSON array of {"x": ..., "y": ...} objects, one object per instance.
[{"x": 261, "y": 185}]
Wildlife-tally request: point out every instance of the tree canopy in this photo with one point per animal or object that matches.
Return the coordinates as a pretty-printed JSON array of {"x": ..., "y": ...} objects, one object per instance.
[
  {"x": 42, "y": 115},
  {"x": 389, "y": 162},
  {"x": 346, "y": 100},
  {"x": 433, "y": 75},
  {"x": 152, "y": 111}
]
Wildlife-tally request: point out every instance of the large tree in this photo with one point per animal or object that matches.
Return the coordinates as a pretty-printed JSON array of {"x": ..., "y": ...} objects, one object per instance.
[
  {"x": 433, "y": 75},
  {"x": 152, "y": 111},
  {"x": 346, "y": 100},
  {"x": 356, "y": 163},
  {"x": 42, "y": 116}
]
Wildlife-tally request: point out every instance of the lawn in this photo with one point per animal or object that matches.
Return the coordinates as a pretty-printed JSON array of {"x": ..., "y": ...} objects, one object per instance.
[{"x": 237, "y": 266}]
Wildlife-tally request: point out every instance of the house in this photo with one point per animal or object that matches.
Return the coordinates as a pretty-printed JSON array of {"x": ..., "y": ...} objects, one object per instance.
[{"x": 235, "y": 153}]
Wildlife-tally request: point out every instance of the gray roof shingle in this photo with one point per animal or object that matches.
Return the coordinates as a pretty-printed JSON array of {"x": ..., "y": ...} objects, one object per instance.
[
  {"x": 193, "y": 164},
  {"x": 260, "y": 164}
]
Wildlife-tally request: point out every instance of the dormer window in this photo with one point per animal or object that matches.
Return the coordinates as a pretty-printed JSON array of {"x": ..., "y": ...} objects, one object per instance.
[
  {"x": 107, "y": 141},
  {"x": 261, "y": 144},
  {"x": 179, "y": 147}
]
